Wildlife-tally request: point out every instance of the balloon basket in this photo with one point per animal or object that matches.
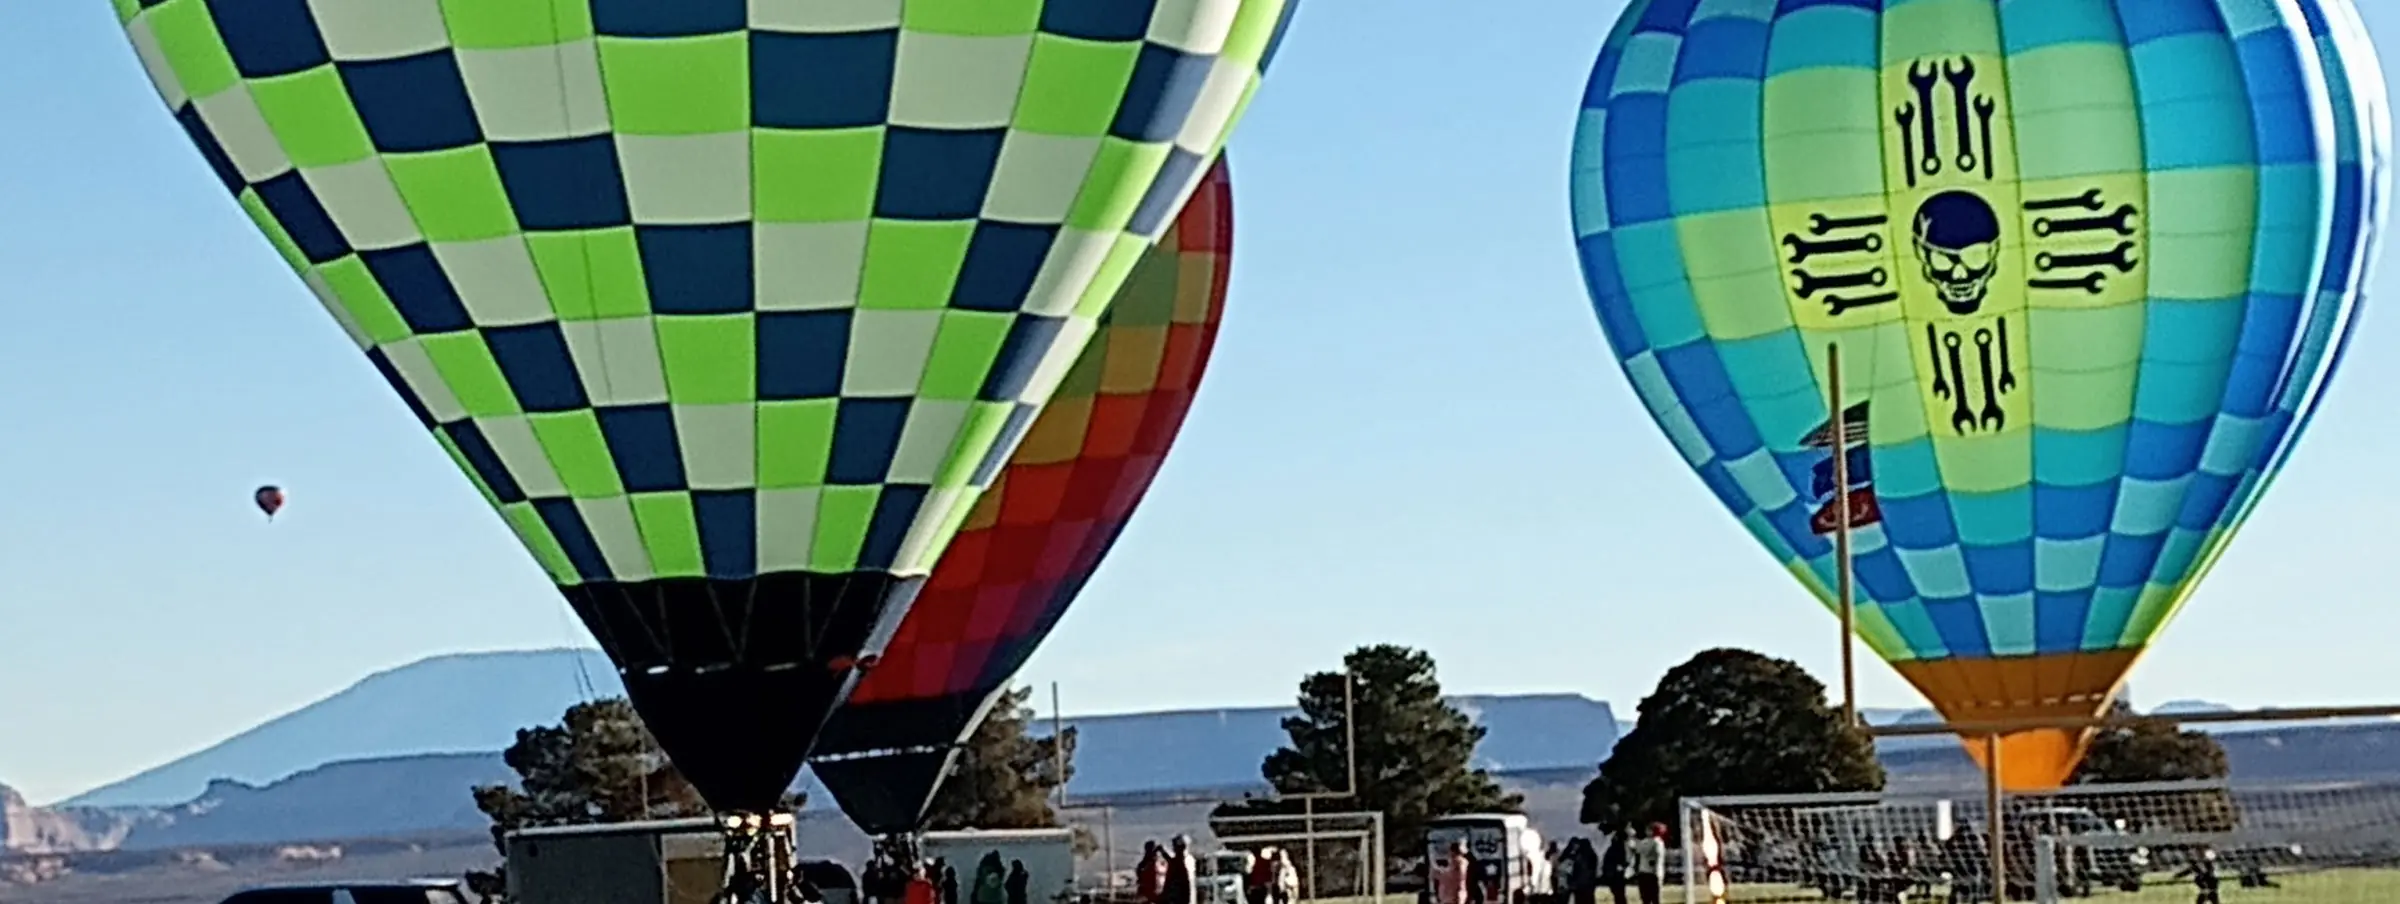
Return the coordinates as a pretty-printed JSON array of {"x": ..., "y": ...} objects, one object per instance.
[{"x": 761, "y": 865}]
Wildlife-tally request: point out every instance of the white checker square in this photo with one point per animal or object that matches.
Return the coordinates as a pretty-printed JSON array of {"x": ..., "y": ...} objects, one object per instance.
[
  {"x": 888, "y": 352},
  {"x": 233, "y": 117},
  {"x": 957, "y": 81},
  {"x": 496, "y": 280},
  {"x": 1193, "y": 26},
  {"x": 1038, "y": 177},
  {"x": 521, "y": 452},
  {"x": 537, "y": 93},
  {"x": 364, "y": 204},
  {"x": 719, "y": 445},
  {"x": 359, "y": 30},
  {"x": 808, "y": 266},
  {"x": 686, "y": 179},
  {"x": 618, "y": 360}
]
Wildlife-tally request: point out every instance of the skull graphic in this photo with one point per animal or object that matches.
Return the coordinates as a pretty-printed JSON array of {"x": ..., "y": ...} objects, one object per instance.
[{"x": 1958, "y": 241}]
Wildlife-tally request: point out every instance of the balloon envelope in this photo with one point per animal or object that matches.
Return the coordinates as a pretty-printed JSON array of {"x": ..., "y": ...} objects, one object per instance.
[
  {"x": 269, "y": 499},
  {"x": 2084, "y": 261},
  {"x": 1041, "y": 530},
  {"x": 731, "y": 309}
]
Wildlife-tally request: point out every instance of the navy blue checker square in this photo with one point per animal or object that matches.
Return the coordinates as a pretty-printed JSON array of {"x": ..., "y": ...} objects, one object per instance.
[
  {"x": 574, "y": 537},
  {"x": 572, "y": 184},
  {"x": 830, "y": 81},
  {"x": 538, "y": 366},
  {"x": 294, "y": 205},
  {"x": 668, "y": 18},
  {"x": 268, "y": 38},
  {"x": 896, "y": 509},
  {"x": 413, "y": 279},
  {"x": 728, "y": 525},
  {"x": 1098, "y": 20},
  {"x": 641, "y": 439},
  {"x": 865, "y": 434},
  {"x": 1159, "y": 97},
  {"x": 1019, "y": 357},
  {"x": 1001, "y": 263},
  {"x": 936, "y": 174},
  {"x": 697, "y": 269},
  {"x": 801, "y": 354},
  {"x": 413, "y": 104}
]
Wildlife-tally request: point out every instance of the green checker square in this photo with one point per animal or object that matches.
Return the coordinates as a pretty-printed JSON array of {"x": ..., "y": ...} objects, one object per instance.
[
  {"x": 815, "y": 176},
  {"x": 536, "y": 535},
  {"x": 795, "y": 442},
  {"x": 312, "y": 117},
  {"x": 126, "y": 10},
  {"x": 1121, "y": 173},
  {"x": 591, "y": 274},
  {"x": 485, "y": 25},
  {"x": 912, "y": 265},
  {"x": 709, "y": 360},
  {"x": 355, "y": 287},
  {"x": 450, "y": 447},
  {"x": 2202, "y": 224},
  {"x": 578, "y": 452},
  {"x": 678, "y": 86},
  {"x": 1940, "y": 28},
  {"x": 971, "y": 17},
  {"x": 1125, "y": 252},
  {"x": 467, "y": 368},
  {"x": 843, "y": 514},
  {"x": 963, "y": 350},
  {"x": 1073, "y": 86},
  {"x": 1253, "y": 28},
  {"x": 670, "y": 533},
  {"x": 454, "y": 195},
  {"x": 187, "y": 36},
  {"x": 273, "y": 229},
  {"x": 982, "y": 429},
  {"x": 1241, "y": 107}
]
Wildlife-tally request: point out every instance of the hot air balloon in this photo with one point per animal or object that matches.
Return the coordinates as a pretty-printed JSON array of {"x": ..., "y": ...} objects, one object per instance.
[
  {"x": 269, "y": 499},
  {"x": 730, "y": 309},
  {"x": 2083, "y": 262},
  {"x": 1041, "y": 530}
]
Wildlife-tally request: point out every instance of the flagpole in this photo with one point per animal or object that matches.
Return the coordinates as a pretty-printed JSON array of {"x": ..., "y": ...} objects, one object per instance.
[{"x": 1841, "y": 531}]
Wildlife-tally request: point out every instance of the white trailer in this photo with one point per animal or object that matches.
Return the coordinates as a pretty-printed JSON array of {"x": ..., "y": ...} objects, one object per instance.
[
  {"x": 994, "y": 855},
  {"x": 668, "y": 861}
]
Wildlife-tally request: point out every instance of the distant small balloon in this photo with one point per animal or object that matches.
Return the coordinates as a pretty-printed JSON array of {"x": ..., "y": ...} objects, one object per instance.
[{"x": 269, "y": 499}]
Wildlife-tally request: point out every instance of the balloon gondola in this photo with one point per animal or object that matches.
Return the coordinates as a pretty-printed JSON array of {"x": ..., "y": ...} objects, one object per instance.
[
  {"x": 732, "y": 311},
  {"x": 2086, "y": 263}
]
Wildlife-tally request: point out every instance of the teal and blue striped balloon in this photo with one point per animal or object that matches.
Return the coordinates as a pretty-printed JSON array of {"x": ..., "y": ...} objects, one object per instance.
[{"x": 2088, "y": 265}]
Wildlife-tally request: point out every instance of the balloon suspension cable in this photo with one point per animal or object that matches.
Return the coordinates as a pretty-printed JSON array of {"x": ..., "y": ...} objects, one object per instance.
[{"x": 760, "y": 863}]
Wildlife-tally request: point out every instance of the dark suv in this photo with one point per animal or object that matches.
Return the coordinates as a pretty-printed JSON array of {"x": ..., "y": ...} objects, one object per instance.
[{"x": 363, "y": 892}]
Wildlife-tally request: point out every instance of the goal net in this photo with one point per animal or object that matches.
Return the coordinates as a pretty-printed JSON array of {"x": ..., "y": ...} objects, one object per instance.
[
  {"x": 2327, "y": 843},
  {"x": 1334, "y": 856}
]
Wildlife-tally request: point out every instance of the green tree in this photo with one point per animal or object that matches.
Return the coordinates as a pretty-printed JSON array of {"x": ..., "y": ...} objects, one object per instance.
[
  {"x": 598, "y": 765},
  {"x": 1415, "y": 751},
  {"x": 1004, "y": 776},
  {"x": 2134, "y": 748},
  {"x": 1729, "y": 722}
]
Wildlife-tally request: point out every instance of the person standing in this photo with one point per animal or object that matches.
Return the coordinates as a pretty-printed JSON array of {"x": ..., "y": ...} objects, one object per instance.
[
  {"x": 1180, "y": 886},
  {"x": 1616, "y": 865},
  {"x": 1018, "y": 880},
  {"x": 1453, "y": 875},
  {"x": 1287, "y": 879},
  {"x": 1150, "y": 875},
  {"x": 1650, "y": 863}
]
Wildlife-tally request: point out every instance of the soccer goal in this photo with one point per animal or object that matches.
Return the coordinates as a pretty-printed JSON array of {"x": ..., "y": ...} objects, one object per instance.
[
  {"x": 1338, "y": 856},
  {"x": 2326, "y": 843}
]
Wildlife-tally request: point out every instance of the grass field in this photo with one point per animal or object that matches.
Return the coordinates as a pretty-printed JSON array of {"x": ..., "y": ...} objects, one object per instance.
[{"x": 2360, "y": 886}]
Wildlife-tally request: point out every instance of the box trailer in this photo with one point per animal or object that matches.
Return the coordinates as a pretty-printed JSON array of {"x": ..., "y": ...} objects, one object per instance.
[{"x": 676, "y": 861}]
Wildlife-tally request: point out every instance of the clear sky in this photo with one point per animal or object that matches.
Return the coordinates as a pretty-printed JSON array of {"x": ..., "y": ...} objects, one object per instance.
[{"x": 1412, "y": 432}]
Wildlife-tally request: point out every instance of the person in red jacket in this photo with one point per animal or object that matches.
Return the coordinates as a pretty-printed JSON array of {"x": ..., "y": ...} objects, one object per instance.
[{"x": 920, "y": 887}]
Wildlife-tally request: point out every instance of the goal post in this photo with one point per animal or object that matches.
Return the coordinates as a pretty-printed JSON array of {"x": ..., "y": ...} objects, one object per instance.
[
  {"x": 1338, "y": 855},
  {"x": 2333, "y": 841}
]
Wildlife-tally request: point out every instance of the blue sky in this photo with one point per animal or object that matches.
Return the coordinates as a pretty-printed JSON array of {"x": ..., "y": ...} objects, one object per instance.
[{"x": 1412, "y": 432}]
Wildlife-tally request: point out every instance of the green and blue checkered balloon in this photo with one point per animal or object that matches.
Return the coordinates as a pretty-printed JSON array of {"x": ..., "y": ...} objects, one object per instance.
[
  {"x": 730, "y": 307},
  {"x": 2088, "y": 265}
]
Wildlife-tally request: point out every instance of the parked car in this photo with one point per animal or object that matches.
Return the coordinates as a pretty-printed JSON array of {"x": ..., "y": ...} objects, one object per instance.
[{"x": 411, "y": 891}]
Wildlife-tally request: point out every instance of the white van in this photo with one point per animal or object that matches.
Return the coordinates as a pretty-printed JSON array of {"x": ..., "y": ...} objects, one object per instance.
[{"x": 1509, "y": 863}]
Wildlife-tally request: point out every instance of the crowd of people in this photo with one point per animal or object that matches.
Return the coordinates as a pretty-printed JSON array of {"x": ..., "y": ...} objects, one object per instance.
[
  {"x": 1171, "y": 875},
  {"x": 1630, "y": 866},
  {"x": 895, "y": 875}
]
